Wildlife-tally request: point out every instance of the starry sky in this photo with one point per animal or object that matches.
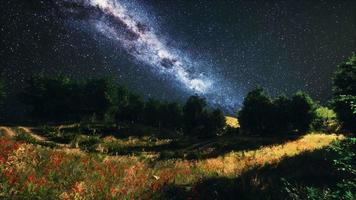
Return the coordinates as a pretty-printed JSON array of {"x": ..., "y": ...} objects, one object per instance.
[{"x": 171, "y": 49}]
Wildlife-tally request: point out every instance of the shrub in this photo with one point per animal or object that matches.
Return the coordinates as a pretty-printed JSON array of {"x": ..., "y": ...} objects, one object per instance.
[
  {"x": 20, "y": 136},
  {"x": 325, "y": 120},
  {"x": 89, "y": 143}
]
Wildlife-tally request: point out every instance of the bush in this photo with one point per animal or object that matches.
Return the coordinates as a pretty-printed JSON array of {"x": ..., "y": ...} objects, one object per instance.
[
  {"x": 343, "y": 157},
  {"x": 325, "y": 120},
  {"x": 89, "y": 143},
  {"x": 20, "y": 136}
]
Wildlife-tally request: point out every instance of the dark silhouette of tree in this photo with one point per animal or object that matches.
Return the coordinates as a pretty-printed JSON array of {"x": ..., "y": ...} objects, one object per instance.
[
  {"x": 282, "y": 115},
  {"x": 132, "y": 111},
  {"x": 344, "y": 94},
  {"x": 261, "y": 115},
  {"x": 215, "y": 121},
  {"x": 63, "y": 99},
  {"x": 199, "y": 120},
  {"x": 302, "y": 112},
  {"x": 193, "y": 112},
  {"x": 152, "y": 115},
  {"x": 255, "y": 114},
  {"x": 171, "y": 115}
]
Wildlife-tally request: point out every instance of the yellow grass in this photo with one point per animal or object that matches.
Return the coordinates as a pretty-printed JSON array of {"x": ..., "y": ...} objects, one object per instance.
[
  {"x": 232, "y": 122},
  {"x": 145, "y": 172},
  {"x": 234, "y": 163}
]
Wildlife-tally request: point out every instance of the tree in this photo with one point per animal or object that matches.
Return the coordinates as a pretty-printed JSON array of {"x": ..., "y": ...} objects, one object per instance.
[
  {"x": 132, "y": 111},
  {"x": 255, "y": 114},
  {"x": 344, "y": 94},
  {"x": 100, "y": 97},
  {"x": 63, "y": 99},
  {"x": 171, "y": 115},
  {"x": 215, "y": 121},
  {"x": 2, "y": 91},
  {"x": 152, "y": 115},
  {"x": 302, "y": 112},
  {"x": 193, "y": 111},
  {"x": 261, "y": 115},
  {"x": 282, "y": 115}
]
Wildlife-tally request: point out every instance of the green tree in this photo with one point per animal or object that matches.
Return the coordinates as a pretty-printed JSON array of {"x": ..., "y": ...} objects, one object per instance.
[
  {"x": 255, "y": 114},
  {"x": 302, "y": 112},
  {"x": 133, "y": 109},
  {"x": 152, "y": 115},
  {"x": 215, "y": 121},
  {"x": 194, "y": 111},
  {"x": 63, "y": 99},
  {"x": 282, "y": 115},
  {"x": 171, "y": 115},
  {"x": 344, "y": 94}
]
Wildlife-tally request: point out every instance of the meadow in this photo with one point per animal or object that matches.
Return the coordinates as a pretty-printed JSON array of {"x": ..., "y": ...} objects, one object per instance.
[{"x": 77, "y": 162}]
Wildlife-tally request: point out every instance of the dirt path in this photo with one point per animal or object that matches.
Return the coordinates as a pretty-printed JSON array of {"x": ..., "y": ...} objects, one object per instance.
[
  {"x": 8, "y": 132},
  {"x": 28, "y": 131}
]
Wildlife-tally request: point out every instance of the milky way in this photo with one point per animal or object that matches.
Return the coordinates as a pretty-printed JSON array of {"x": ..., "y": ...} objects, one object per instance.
[{"x": 115, "y": 21}]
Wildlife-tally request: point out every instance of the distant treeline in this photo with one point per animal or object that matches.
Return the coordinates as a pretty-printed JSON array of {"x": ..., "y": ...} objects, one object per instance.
[{"x": 62, "y": 99}]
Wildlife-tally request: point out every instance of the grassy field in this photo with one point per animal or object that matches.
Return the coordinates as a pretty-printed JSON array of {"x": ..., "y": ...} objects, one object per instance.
[{"x": 62, "y": 163}]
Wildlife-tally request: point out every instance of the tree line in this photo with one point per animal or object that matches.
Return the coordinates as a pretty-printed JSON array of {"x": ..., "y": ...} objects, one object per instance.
[
  {"x": 260, "y": 114},
  {"x": 62, "y": 99}
]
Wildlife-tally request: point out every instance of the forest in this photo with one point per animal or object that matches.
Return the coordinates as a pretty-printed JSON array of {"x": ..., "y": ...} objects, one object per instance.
[{"x": 94, "y": 139}]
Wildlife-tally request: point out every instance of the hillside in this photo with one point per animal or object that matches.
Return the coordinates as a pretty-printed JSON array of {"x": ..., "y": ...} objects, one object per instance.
[{"x": 36, "y": 164}]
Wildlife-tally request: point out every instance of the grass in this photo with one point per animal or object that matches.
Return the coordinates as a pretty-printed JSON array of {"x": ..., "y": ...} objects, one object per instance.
[
  {"x": 142, "y": 167},
  {"x": 232, "y": 122}
]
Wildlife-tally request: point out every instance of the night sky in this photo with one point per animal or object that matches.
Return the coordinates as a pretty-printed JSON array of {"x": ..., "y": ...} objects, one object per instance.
[{"x": 170, "y": 50}]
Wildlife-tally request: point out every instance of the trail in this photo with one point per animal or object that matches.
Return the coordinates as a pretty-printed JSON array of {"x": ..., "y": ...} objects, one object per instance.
[
  {"x": 28, "y": 131},
  {"x": 8, "y": 132}
]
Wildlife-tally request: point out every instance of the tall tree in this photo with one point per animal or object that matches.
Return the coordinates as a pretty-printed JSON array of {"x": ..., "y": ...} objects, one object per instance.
[
  {"x": 302, "y": 111},
  {"x": 194, "y": 111},
  {"x": 256, "y": 111},
  {"x": 344, "y": 93}
]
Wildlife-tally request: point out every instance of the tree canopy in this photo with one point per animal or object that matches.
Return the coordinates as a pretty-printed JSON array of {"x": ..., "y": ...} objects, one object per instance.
[
  {"x": 261, "y": 114},
  {"x": 344, "y": 93}
]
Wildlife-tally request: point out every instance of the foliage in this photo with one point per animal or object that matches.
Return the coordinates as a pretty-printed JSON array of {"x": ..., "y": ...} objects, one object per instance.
[
  {"x": 302, "y": 111},
  {"x": 256, "y": 111},
  {"x": 344, "y": 97},
  {"x": 61, "y": 98},
  {"x": 325, "y": 120},
  {"x": 343, "y": 157},
  {"x": 199, "y": 120},
  {"x": 262, "y": 115},
  {"x": 89, "y": 143},
  {"x": 345, "y": 108}
]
